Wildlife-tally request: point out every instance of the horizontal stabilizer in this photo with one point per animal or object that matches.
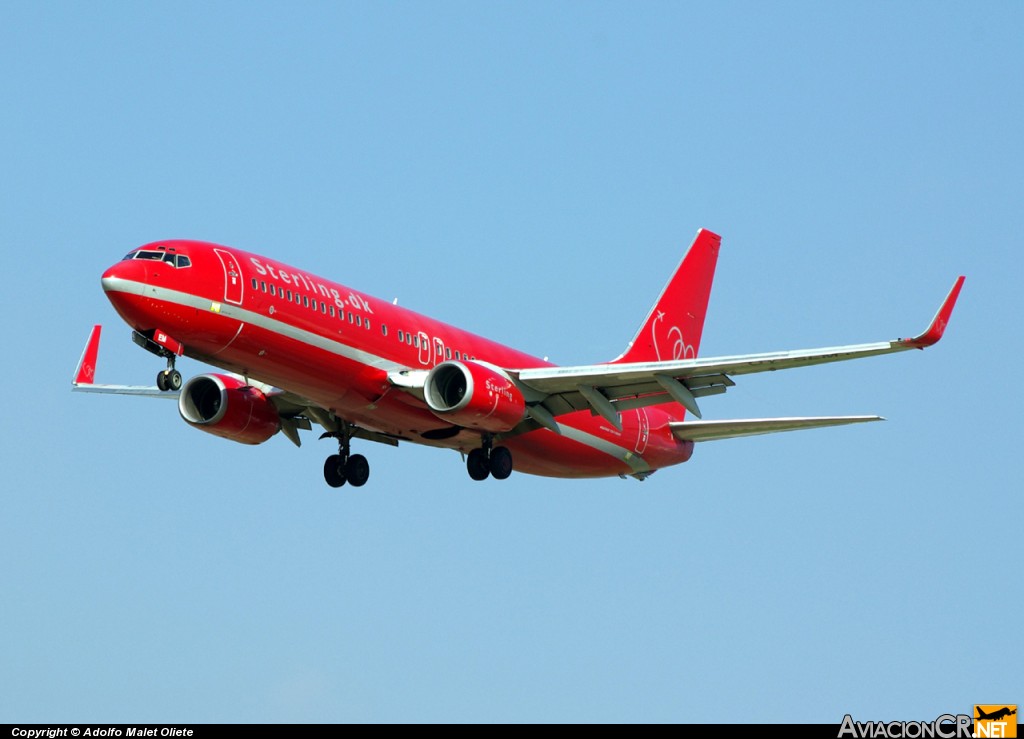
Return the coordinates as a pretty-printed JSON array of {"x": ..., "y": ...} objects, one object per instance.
[{"x": 713, "y": 430}]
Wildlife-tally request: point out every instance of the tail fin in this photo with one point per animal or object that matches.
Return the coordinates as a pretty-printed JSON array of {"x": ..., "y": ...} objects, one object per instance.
[{"x": 673, "y": 328}]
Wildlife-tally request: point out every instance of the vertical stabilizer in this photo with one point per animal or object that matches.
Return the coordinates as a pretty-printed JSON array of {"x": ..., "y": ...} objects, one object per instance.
[{"x": 673, "y": 328}]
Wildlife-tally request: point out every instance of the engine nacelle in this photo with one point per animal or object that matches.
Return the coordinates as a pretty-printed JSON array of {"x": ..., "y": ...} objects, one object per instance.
[
  {"x": 474, "y": 396},
  {"x": 227, "y": 407}
]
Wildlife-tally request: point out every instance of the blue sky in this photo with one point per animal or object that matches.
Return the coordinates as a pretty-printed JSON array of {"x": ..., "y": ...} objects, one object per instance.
[{"x": 533, "y": 172}]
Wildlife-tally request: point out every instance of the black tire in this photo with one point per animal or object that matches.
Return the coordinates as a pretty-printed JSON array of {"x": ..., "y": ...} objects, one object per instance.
[
  {"x": 334, "y": 471},
  {"x": 501, "y": 463},
  {"x": 477, "y": 465},
  {"x": 357, "y": 470},
  {"x": 174, "y": 380},
  {"x": 161, "y": 381}
]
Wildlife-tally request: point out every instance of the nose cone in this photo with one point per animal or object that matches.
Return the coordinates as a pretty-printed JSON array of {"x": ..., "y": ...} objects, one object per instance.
[
  {"x": 124, "y": 277},
  {"x": 124, "y": 284}
]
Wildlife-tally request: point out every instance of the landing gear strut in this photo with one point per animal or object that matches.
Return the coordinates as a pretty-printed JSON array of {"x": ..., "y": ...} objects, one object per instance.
[
  {"x": 345, "y": 467},
  {"x": 168, "y": 380},
  {"x": 485, "y": 461}
]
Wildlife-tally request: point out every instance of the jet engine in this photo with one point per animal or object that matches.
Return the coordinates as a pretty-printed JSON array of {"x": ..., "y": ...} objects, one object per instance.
[
  {"x": 474, "y": 396},
  {"x": 225, "y": 406}
]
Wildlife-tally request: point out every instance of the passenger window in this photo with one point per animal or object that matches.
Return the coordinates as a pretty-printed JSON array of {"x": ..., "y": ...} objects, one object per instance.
[
  {"x": 447, "y": 353},
  {"x": 331, "y": 307},
  {"x": 384, "y": 329},
  {"x": 401, "y": 334},
  {"x": 255, "y": 285},
  {"x": 289, "y": 292},
  {"x": 272, "y": 292},
  {"x": 367, "y": 322},
  {"x": 359, "y": 321},
  {"x": 305, "y": 300},
  {"x": 263, "y": 286}
]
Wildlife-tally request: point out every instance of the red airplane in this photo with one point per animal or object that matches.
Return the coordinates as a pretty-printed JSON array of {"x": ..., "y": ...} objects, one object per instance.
[{"x": 299, "y": 349}]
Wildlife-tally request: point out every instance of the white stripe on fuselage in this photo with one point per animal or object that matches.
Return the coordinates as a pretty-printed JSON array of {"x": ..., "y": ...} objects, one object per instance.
[{"x": 339, "y": 348}]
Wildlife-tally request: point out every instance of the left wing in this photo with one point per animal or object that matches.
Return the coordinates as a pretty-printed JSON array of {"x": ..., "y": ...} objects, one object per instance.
[
  {"x": 85, "y": 373},
  {"x": 611, "y": 388},
  {"x": 296, "y": 412}
]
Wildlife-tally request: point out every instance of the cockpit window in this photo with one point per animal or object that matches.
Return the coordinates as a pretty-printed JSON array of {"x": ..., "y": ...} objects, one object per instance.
[
  {"x": 154, "y": 255},
  {"x": 175, "y": 260}
]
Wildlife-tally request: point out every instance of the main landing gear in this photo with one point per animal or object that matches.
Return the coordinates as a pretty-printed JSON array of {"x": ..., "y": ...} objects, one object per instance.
[
  {"x": 345, "y": 467},
  {"x": 484, "y": 462}
]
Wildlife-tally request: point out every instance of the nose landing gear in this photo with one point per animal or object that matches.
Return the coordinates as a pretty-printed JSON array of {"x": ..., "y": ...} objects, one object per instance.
[
  {"x": 159, "y": 343},
  {"x": 169, "y": 379}
]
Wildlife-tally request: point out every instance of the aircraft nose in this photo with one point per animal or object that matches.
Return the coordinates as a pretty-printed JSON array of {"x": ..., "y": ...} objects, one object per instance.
[{"x": 125, "y": 277}]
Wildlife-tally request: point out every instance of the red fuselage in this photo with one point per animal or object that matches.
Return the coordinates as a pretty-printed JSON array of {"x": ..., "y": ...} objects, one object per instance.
[{"x": 335, "y": 347}]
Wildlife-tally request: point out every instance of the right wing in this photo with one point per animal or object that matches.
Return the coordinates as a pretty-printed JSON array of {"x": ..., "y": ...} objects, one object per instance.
[{"x": 608, "y": 389}]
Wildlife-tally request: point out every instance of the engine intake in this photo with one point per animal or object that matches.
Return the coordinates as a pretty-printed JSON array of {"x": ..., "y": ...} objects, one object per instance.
[
  {"x": 225, "y": 406},
  {"x": 474, "y": 396}
]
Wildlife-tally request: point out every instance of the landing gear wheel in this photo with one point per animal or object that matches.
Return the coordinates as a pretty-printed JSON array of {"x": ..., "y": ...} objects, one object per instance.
[
  {"x": 501, "y": 463},
  {"x": 168, "y": 380},
  {"x": 344, "y": 467},
  {"x": 334, "y": 471},
  {"x": 357, "y": 470},
  {"x": 478, "y": 465}
]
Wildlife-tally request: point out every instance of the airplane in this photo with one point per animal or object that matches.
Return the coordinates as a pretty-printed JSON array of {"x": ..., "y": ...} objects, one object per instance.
[
  {"x": 995, "y": 715},
  {"x": 297, "y": 349}
]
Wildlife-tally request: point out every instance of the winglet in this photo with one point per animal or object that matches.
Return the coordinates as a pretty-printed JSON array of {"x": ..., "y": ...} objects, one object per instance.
[
  {"x": 938, "y": 325},
  {"x": 85, "y": 374}
]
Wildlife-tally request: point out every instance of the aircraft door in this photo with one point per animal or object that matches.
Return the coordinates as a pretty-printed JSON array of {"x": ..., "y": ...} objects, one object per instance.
[
  {"x": 425, "y": 350},
  {"x": 232, "y": 277},
  {"x": 643, "y": 430}
]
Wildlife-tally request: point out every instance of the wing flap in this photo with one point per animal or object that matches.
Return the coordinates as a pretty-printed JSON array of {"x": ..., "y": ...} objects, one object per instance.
[{"x": 714, "y": 430}]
